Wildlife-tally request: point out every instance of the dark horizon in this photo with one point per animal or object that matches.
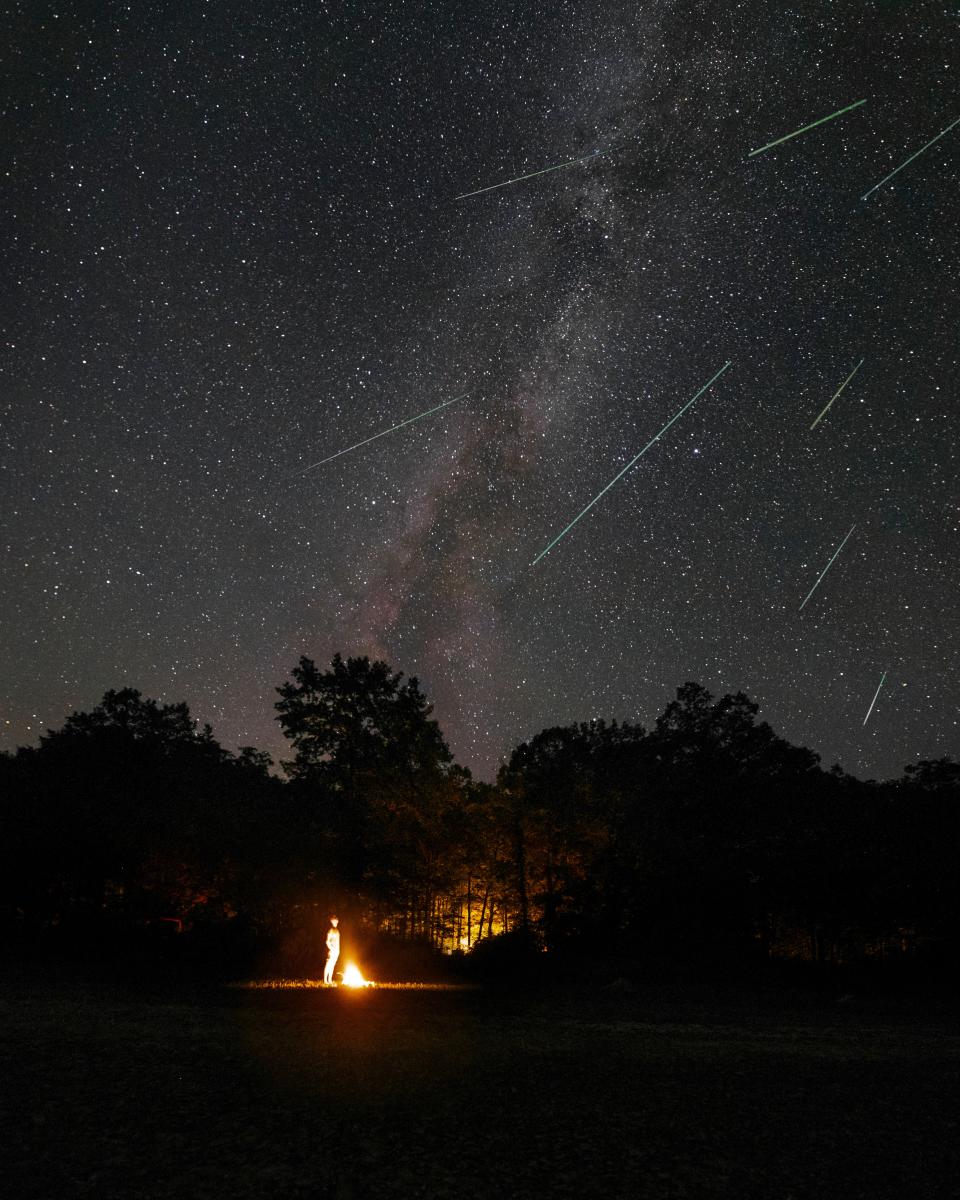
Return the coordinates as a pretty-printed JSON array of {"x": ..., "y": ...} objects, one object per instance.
[{"x": 279, "y": 750}]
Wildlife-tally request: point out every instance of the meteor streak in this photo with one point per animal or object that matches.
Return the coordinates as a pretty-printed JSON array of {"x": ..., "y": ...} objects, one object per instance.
[
  {"x": 533, "y": 174},
  {"x": 382, "y": 433},
  {"x": 629, "y": 465},
  {"x": 874, "y": 700},
  {"x": 812, "y": 125},
  {"x": 828, "y": 566},
  {"x": 911, "y": 158},
  {"x": 839, "y": 390}
]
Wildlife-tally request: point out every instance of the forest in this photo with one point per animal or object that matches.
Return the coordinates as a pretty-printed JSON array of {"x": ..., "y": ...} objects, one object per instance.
[{"x": 706, "y": 841}]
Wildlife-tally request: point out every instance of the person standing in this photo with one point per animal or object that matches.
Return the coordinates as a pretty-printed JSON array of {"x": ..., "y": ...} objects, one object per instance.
[{"x": 333, "y": 950}]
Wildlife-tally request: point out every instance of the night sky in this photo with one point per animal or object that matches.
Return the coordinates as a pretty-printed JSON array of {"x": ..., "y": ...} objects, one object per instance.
[{"x": 232, "y": 248}]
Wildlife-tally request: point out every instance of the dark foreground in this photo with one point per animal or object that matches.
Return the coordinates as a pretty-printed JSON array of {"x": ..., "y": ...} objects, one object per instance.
[{"x": 232, "y": 1094}]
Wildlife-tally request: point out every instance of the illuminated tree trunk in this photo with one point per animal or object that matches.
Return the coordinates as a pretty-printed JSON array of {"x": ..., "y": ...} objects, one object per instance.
[
  {"x": 521, "y": 852},
  {"x": 550, "y": 900},
  {"x": 483, "y": 912}
]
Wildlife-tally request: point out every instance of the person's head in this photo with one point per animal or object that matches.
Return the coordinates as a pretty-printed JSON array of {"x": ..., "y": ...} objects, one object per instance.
[{"x": 334, "y": 921}]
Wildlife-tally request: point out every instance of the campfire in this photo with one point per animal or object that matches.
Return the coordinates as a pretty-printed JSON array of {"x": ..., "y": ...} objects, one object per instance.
[{"x": 352, "y": 978}]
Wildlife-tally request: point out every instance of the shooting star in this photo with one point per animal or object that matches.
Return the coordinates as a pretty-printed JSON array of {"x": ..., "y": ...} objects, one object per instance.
[
  {"x": 838, "y": 391},
  {"x": 636, "y": 458},
  {"x": 812, "y": 125},
  {"x": 874, "y": 700},
  {"x": 382, "y": 433},
  {"x": 533, "y": 174},
  {"x": 828, "y": 566},
  {"x": 911, "y": 158}
]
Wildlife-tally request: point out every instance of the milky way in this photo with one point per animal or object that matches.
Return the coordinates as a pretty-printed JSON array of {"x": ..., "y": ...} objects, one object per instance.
[{"x": 233, "y": 248}]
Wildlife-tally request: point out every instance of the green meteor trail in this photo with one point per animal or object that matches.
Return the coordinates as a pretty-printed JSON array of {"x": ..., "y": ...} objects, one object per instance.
[
  {"x": 533, "y": 174},
  {"x": 874, "y": 700},
  {"x": 839, "y": 390},
  {"x": 636, "y": 458},
  {"x": 812, "y": 125},
  {"x": 828, "y": 566},
  {"x": 382, "y": 433},
  {"x": 911, "y": 158}
]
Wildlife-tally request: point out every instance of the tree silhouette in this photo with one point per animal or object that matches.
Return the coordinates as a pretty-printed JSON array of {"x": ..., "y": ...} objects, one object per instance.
[
  {"x": 708, "y": 838},
  {"x": 357, "y": 716},
  {"x": 709, "y": 826},
  {"x": 375, "y": 776},
  {"x": 565, "y": 793},
  {"x": 133, "y": 813}
]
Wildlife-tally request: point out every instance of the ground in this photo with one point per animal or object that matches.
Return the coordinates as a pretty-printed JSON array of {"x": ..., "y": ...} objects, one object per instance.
[{"x": 651, "y": 1091}]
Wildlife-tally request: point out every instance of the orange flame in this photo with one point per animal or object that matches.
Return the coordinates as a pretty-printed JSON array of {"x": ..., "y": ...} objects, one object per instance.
[{"x": 353, "y": 978}]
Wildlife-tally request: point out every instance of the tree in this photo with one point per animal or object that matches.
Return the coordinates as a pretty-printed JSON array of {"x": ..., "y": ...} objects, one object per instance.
[
  {"x": 922, "y": 849},
  {"x": 706, "y": 829},
  {"x": 125, "y": 714},
  {"x": 357, "y": 716},
  {"x": 565, "y": 794},
  {"x": 375, "y": 776},
  {"x": 129, "y": 811}
]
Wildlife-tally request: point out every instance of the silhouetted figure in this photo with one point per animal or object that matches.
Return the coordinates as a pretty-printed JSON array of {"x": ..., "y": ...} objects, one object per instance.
[{"x": 333, "y": 950}]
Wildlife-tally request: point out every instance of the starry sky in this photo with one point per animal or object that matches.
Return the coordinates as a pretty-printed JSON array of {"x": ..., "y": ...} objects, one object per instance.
[{"x": 232, "y": 248}]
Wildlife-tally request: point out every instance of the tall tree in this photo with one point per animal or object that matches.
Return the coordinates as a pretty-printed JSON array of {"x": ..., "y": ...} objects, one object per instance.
[
  {"x": 357, "y": 716},
  {"x": 565, "y": 792},
  {"x": 376, "y": 773},
  {"x": 723, "y": 789},
  {"x": 922, "y": 851},
  {"x": 130, "y": 809}
]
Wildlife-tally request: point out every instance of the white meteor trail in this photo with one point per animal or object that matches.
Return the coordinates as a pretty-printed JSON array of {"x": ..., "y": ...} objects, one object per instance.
[
  {"x": 909, "y": 160},
  {"x": 828, "y": 566},
  {"x": 533, "y": 174},
  {"x": 636, "y": 458},
  {"x": 382, "y": 433},
  {"x": 874, "y": 700},
  {"x": 839, "y": 390}
]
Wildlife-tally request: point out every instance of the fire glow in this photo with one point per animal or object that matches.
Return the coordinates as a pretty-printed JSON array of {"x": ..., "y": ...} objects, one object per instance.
[
  {"x": 353, "y": 979},
  {"x": 272, "y": 984}
]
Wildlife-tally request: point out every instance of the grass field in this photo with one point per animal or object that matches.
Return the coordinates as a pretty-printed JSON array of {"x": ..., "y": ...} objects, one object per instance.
[{"x": 658, "y": 1092}]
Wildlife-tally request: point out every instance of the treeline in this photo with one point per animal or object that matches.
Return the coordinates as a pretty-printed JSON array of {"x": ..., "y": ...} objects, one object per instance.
[{"x": 707, "y": 839}]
